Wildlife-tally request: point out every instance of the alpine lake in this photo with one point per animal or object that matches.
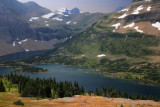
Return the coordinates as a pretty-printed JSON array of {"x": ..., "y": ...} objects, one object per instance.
[{"x": 89, "y": 78}]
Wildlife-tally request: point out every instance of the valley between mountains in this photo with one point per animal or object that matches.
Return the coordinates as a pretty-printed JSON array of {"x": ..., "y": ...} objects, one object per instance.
[
  {"x": 69, "y": 49},
  {"x": 28, "y": 27},
  {"x": 124, "y": 44}
]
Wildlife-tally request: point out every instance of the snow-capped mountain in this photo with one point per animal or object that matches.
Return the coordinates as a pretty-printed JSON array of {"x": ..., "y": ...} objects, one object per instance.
[
  {"x": 67, "y": 11},
  {"x": 61, "y": 11},
  {"x": 75, "y": 11},
  {"x": 14, "y": 27},
  {"x": 28, "y": 27}
]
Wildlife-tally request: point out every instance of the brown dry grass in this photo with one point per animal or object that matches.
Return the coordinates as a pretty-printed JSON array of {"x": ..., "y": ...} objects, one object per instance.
[{"x": 7, "y": 99}]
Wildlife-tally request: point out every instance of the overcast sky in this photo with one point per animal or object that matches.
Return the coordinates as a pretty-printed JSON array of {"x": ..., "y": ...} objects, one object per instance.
[{"x": 104, "y": 6}]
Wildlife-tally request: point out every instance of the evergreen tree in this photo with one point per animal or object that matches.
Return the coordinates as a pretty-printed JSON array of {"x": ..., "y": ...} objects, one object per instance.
[
  {"x": 96, "y": 92},
  {"x": 2, "y": 88}
]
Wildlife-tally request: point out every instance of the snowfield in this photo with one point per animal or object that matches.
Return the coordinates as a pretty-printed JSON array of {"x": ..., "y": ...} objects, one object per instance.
[
  {"x": 123, "y": 16},
  {"x": 130, "y": 25},
  {"x": 14, "y": 43},
  {"x": 57, "y": 19},
  {"x": 47, "y": 25},
  {"x": 126, "y": 9},
  {"x": 26, "y": 50},
  {"x": 138, "y": 9},
  {"x": 156, "y": 25},
  {"x": 68, "y": 22},
  {"x": 74, "y": 23},
  {"x": 34, "y": 18},
  {"x": 102, "y": 55},
  {"x": 149, "y": 8},
  {"x": 116, "y": 25},
  {"x": 47, "y": 16},
  {"x": 20, "y": 42},
  {"x": 138, "y": 29}
]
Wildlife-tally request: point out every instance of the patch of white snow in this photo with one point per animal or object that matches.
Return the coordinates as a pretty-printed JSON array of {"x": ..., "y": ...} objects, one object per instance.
[
  {"x": 20, "y": 42},
  {"x": 74, "y": 23},
  {"x": 149, "y": 8},
  {"x": 26, "y": 50},
  {"x": 126, "y": 9},
  {"x": 66, "y": 15},
  {"x": 130, "y": 25},
  {"x": 57, "y": 19},
  {"x": 102, "y": 55},
  {"x": 116, "y": 25},
  {"x": 47, "y": 25},
  {"x": 137, "y": 10},
  {"x": 14, "y": 43},
  {"x": 47, "y": 16},
  {"x": 157, "y": 25},
  {"x": 34, "y": 18},
  {"x": 68, "y": 22},
  {"x": 138, "y": 29},
  {"x": 123, "y": 16}
]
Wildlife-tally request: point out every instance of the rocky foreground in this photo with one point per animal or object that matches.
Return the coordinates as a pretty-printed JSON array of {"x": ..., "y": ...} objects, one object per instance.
[{"x": 7, "y": 99}]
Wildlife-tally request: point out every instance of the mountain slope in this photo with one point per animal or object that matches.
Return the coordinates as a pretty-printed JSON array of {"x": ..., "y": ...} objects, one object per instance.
[
  {"x": 14, "y": 27},
  {"x": 20, "y": 31},
  {"x": 129, "y": 55},
  {"x": 141, "y": 16},
  {"x": 64, "y": 23}
]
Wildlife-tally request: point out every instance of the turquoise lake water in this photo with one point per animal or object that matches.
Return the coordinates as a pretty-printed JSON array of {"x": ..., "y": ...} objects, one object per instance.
[{"x": 89, "y": 78}]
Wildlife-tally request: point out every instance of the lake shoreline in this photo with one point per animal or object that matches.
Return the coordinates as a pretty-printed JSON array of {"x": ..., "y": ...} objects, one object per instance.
[{"x": 111, "y": 75}]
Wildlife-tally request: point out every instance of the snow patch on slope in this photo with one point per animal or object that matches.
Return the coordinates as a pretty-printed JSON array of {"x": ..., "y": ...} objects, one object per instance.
[
  {"x": 137, "y": 10},
  {"x": 20, "y": 42},
  {"x": 130, "y": 25},
  {"x": 47, "y": 25},
  {"x": 74, "y": 23},
  {"x": 138, "y": 29},
  {"x": 68, "y": 22},
  {"x": 34, "y": 18},
  {"x": 116, "y": 25},
  {"x": 126, "y": 9},
  {"x": 57, "y": 19},
  {"x": 149, "y": 8},
  {"x": 156, "y": 25},
  {"x": 47, "y": 16},
  {"x": 26, "y": 50},
  {"x": 123, "y": 16},
  {"x": 14, "y": 43},
  {"x": 66, "y": 15},
  {"x": 102, "y": 55}
]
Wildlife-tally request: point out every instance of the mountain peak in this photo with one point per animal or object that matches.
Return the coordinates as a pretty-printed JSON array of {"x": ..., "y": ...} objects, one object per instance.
[
  {"x": 31, "y": 3},
  {"x": 75, "y": 10},
  {"x": 67, "y": 11}
]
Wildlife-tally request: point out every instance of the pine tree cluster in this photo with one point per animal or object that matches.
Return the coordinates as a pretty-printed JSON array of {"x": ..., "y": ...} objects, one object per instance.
[
  {"x": 42, "y": 88},
  {"x": 2, "y": 88},
  {"x": 114, "y": 93}
]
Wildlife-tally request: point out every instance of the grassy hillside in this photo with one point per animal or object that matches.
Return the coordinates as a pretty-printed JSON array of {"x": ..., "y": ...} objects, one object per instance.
[{"x": 127, "y": 55}]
